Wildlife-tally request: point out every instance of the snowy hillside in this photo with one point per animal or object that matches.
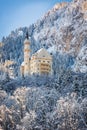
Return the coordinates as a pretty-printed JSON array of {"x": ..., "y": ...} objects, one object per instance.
[{"x": 57, "y": 102}]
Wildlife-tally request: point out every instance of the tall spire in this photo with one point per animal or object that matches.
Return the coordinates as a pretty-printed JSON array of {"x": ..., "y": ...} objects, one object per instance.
[
  {"x": 27, "y": 35},
  {"x": 26, "y": 55}
]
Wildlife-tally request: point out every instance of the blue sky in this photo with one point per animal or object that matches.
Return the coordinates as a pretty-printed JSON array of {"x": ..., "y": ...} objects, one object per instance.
[{"x": 20, "y": 13}]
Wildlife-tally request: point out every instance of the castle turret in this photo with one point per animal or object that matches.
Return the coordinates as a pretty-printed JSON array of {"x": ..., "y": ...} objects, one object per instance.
[{"x": 26, "y": 56}]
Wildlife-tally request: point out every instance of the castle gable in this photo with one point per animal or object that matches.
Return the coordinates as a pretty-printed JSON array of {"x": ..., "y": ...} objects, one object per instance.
[{"x": 42, "y": 53}]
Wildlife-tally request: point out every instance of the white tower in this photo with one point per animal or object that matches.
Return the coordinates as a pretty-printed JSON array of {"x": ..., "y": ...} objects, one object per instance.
[{"x": 26, "y": 56}]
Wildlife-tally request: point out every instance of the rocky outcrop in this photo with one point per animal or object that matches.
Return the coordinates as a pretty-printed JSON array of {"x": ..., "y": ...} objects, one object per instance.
[{"x": 59, "y": 6}]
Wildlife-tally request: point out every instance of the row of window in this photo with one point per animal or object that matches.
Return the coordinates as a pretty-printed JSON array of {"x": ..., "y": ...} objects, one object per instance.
[
  {"x": 48, "y": 69},
  {"x": 45, "y": 69},
  {"x": 41, "y": 61},
  {"x": 44, "y": 61},
  {"x": 45, "y": 65},
  {"x": 45, "y": 73},
  {"x": 41, "y": 65}
]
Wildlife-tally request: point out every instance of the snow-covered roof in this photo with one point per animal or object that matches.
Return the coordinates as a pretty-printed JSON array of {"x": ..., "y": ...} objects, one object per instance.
[
  {"x": 41, "y": 53},
  {"x": 22, "y": 64},
  {"x": 42, "y": 49}
]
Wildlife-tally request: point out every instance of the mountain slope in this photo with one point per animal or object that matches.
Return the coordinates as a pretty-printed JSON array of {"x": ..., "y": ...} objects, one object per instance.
[{"x": 62, "y": 30}]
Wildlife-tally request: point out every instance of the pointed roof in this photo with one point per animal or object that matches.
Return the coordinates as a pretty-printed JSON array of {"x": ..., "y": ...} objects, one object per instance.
[
  {"x": 26, "y": 41},
  {"x": 27, "y": 35}
]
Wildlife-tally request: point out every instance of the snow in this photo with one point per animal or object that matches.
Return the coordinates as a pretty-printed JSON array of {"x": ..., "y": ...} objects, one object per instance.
[
  {"x": 20, "y": 33},
  {"x": 36, "y": 36},
  {"x": 22, "y": 64},
  {"x": 52, "y": 49},
  {"x": 81, "y": 61}
]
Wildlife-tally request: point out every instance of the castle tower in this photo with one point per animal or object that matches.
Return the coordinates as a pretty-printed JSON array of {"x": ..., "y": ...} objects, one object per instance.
[{"x": 26, "y": 56}]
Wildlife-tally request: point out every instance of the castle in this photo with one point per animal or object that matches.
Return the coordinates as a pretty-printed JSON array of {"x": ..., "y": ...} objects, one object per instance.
[{"x": 40, "y": 63}]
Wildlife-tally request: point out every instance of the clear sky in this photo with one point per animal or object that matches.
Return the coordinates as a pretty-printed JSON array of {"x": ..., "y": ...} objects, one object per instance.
[{"x": 20, "y": 13}]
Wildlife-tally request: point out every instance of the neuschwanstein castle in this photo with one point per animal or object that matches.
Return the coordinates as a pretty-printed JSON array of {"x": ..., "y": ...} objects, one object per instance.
[{"x": 40, "y": 63}]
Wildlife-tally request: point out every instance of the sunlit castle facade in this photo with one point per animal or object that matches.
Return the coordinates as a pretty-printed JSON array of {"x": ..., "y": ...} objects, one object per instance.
[{"x": 39, "y": 63}]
